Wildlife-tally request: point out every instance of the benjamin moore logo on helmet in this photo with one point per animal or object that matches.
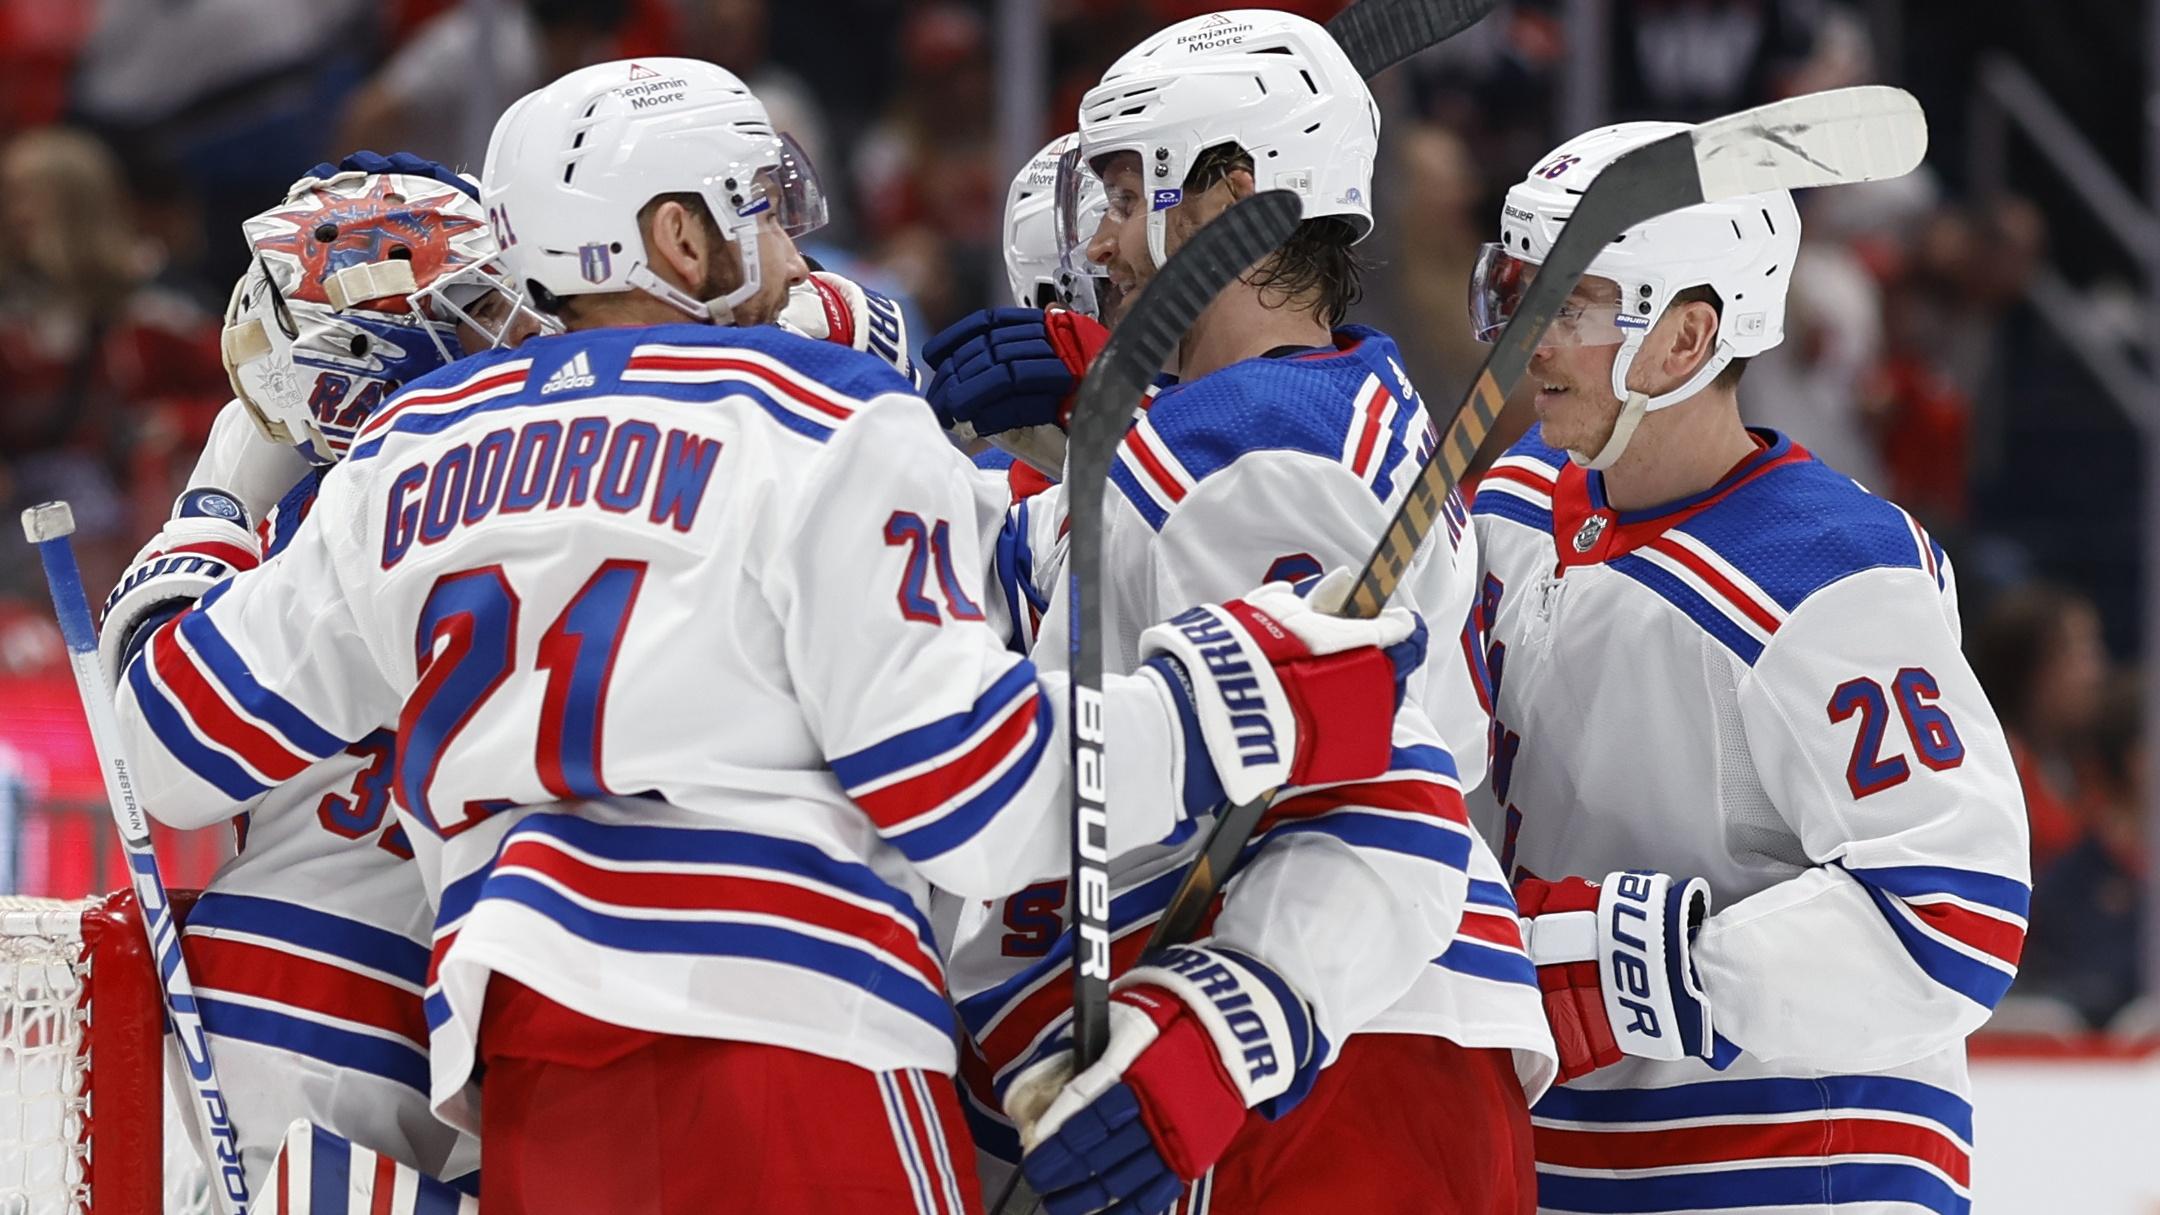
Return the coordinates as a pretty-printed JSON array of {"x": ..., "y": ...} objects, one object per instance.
[
  {"x": 653, "y": 92},
  {"x": 1214, "y": 34}
]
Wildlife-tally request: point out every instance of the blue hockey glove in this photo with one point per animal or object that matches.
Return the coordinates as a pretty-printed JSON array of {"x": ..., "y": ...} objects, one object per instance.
[
  {"x": 396, "y": 162},
  {"x": 1007, "y": 368}
]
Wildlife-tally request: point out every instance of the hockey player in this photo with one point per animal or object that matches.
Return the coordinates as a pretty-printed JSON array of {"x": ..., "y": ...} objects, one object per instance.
[
  {"x": 1368, "y": 911},
  {"x": 1762, "y": 822},
  {"x": 692, "y": 706},
  {"x": 309, "y": 948}
]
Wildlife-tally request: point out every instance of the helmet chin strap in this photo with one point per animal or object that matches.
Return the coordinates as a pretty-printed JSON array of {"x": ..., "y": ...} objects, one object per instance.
[
  {"x": 719, "y": 310},
  {"x": 1636, "y": 405},
  {"x": 1158, "y": 228}
]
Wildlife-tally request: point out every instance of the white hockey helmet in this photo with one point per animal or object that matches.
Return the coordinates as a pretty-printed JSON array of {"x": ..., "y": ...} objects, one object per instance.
[
  {"x": 1038, "y": 248},
  {"x": 1275, "y": 84},
  {"x": 1742, "y": 248},
  {"x": 570, "y": 165},
  {"x": 332, "y": 317}
]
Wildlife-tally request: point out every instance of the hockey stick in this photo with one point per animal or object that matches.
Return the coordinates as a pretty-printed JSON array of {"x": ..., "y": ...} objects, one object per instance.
[
  {"x": 1102, "y": 412},
  {"x": 1822, "y": 139},
  {"x": 48, "y": 527},
  {"x": 1378, "y": 34},
  {"x": 1375, "y": 35}
]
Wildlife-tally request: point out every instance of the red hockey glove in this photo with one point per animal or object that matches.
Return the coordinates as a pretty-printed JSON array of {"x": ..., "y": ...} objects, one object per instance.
[{"x": 1612, "y": 961}]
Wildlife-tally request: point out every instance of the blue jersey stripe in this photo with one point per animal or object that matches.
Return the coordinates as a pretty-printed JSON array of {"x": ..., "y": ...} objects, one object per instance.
[
  {"x": 1507, "y": 506},
  {"x": 329, "y": 1171},
  {"x": 1482, "y": 961},
  {"x": 1763, "y": 1095},
  {"x": 338, "y": 1047},
  {"x": 1425, "y": 841},
  {"x": 1491, "y": 894},
  {"x": 1810, "y": 1186},
  {"x": 967, "y": 820},
  {"x": 176, "y": 732},
  {"x": 1692, "y": 605},
  {"x": 902, "y": 989},
  {"x": 1128, "y": 483},
  {"x": 702, "y": 846},
  {"x": 225, "y": 665},
  {"x": 310, "y": 928},
  {"x": 716, "y": 391},
  {"x": 1917, "y": 881},
  {"x": 931, "y": 741},
  {"x": 1969, "y": 977}
]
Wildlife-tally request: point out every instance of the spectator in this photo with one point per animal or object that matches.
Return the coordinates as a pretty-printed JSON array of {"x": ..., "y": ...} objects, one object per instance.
[
  {"x": 440, "y": 93},
  {"x": 96, "y": 365},
  {"x": 2038, "y": 654},
  {"x": 2088, "y": 907},
  {"x": 1811, "y": 385}
]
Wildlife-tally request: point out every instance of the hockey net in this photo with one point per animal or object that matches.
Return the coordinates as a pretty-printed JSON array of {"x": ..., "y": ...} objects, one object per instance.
[{"x": 85, "y": 1122}]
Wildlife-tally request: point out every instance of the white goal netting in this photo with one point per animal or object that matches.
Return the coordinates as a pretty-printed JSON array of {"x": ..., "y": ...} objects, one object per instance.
[{"x": 51, "y": 1120}]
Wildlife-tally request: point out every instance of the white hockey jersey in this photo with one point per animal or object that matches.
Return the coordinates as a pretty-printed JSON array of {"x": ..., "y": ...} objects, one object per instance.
[
  {"x": 704, "y": 580},
  {"x": 1759, "y": 686},
  {"x": 1373, "y": 900},
  {"x": 309, "y": 948}
]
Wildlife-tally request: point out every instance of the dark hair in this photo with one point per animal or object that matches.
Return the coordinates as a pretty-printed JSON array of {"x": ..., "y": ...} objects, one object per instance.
[
  {"x": 1319, "y": 260},
  {"x": 2118, "y": 732},
  {"x": 2016, "y": 639},
  {"x": 1728, "y": 377}
]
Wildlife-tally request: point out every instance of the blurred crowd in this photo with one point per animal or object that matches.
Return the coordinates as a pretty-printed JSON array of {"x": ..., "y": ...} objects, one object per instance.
[{"x": 136, "y": 134}]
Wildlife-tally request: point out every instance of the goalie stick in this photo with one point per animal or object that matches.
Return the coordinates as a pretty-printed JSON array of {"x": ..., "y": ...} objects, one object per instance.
[
  {"x": 1821, "y": 139},
  {"x": 48, "y": 527}
]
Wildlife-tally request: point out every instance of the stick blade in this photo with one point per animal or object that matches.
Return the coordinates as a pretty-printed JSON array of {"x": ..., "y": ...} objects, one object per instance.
[
  {"x": 1866, "y": 133},
  {"x": 1378, "y": 34},
  {"x": 48, "y": 521}
]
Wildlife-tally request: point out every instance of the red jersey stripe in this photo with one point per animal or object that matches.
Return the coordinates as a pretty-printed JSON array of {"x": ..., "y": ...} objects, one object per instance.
[
  {"x": 245, "y": 968},
  {"x": 444, "y": 396},
  {"x": 1718, "y": 582},
  {"x": 1806, "y": 1138},
  {"x": 897, "y": 803},
  {"x": 722, "y": 894},
  {"x": 756, "y": 371},
  {"x": 1996, "y": 938},
  {"x": 1375, "y": 407},
  {"x": 212, "y": 717},
  {"x": 1409, "y": 796},
  {"x": 1170, "y": 486}
]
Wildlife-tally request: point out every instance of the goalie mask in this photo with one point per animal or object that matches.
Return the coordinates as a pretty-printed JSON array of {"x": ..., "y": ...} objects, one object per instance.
[
  {"x": 334, "y": 314},
  {"x": 1742, "y": 248}
]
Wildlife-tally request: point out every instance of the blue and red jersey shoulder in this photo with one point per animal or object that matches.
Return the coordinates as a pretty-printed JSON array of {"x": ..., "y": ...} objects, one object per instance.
[
  {"x": 1350, "y": 403},
  {"x": 1739, "y": 557},
  {"x": 808, "y": 387}
]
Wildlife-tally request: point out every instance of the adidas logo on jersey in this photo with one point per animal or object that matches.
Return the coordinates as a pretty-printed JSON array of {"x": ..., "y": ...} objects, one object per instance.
[{"x": 577, "y": 373}]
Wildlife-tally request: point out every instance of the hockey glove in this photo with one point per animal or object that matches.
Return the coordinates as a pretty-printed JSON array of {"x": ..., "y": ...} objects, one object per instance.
[
  {"x": 207, "y": 541},
  {"x": 1198, "y": 1036},
  {"x": 1276, "y": 692},
  {"x": 833, "y": 309},
  {"x": 1007, "y": 368},
  {"x": 408, "y": 163},
  {"x": 1613, "y": 963}
]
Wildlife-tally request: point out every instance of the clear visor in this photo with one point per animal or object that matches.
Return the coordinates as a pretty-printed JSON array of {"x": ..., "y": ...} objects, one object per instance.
[
  {"x": 1497, "y": 287},
  {"x": 1080, "y": 210},
  {"x": 789, "y": 188},
  {"x": 481, "y": 298}
]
